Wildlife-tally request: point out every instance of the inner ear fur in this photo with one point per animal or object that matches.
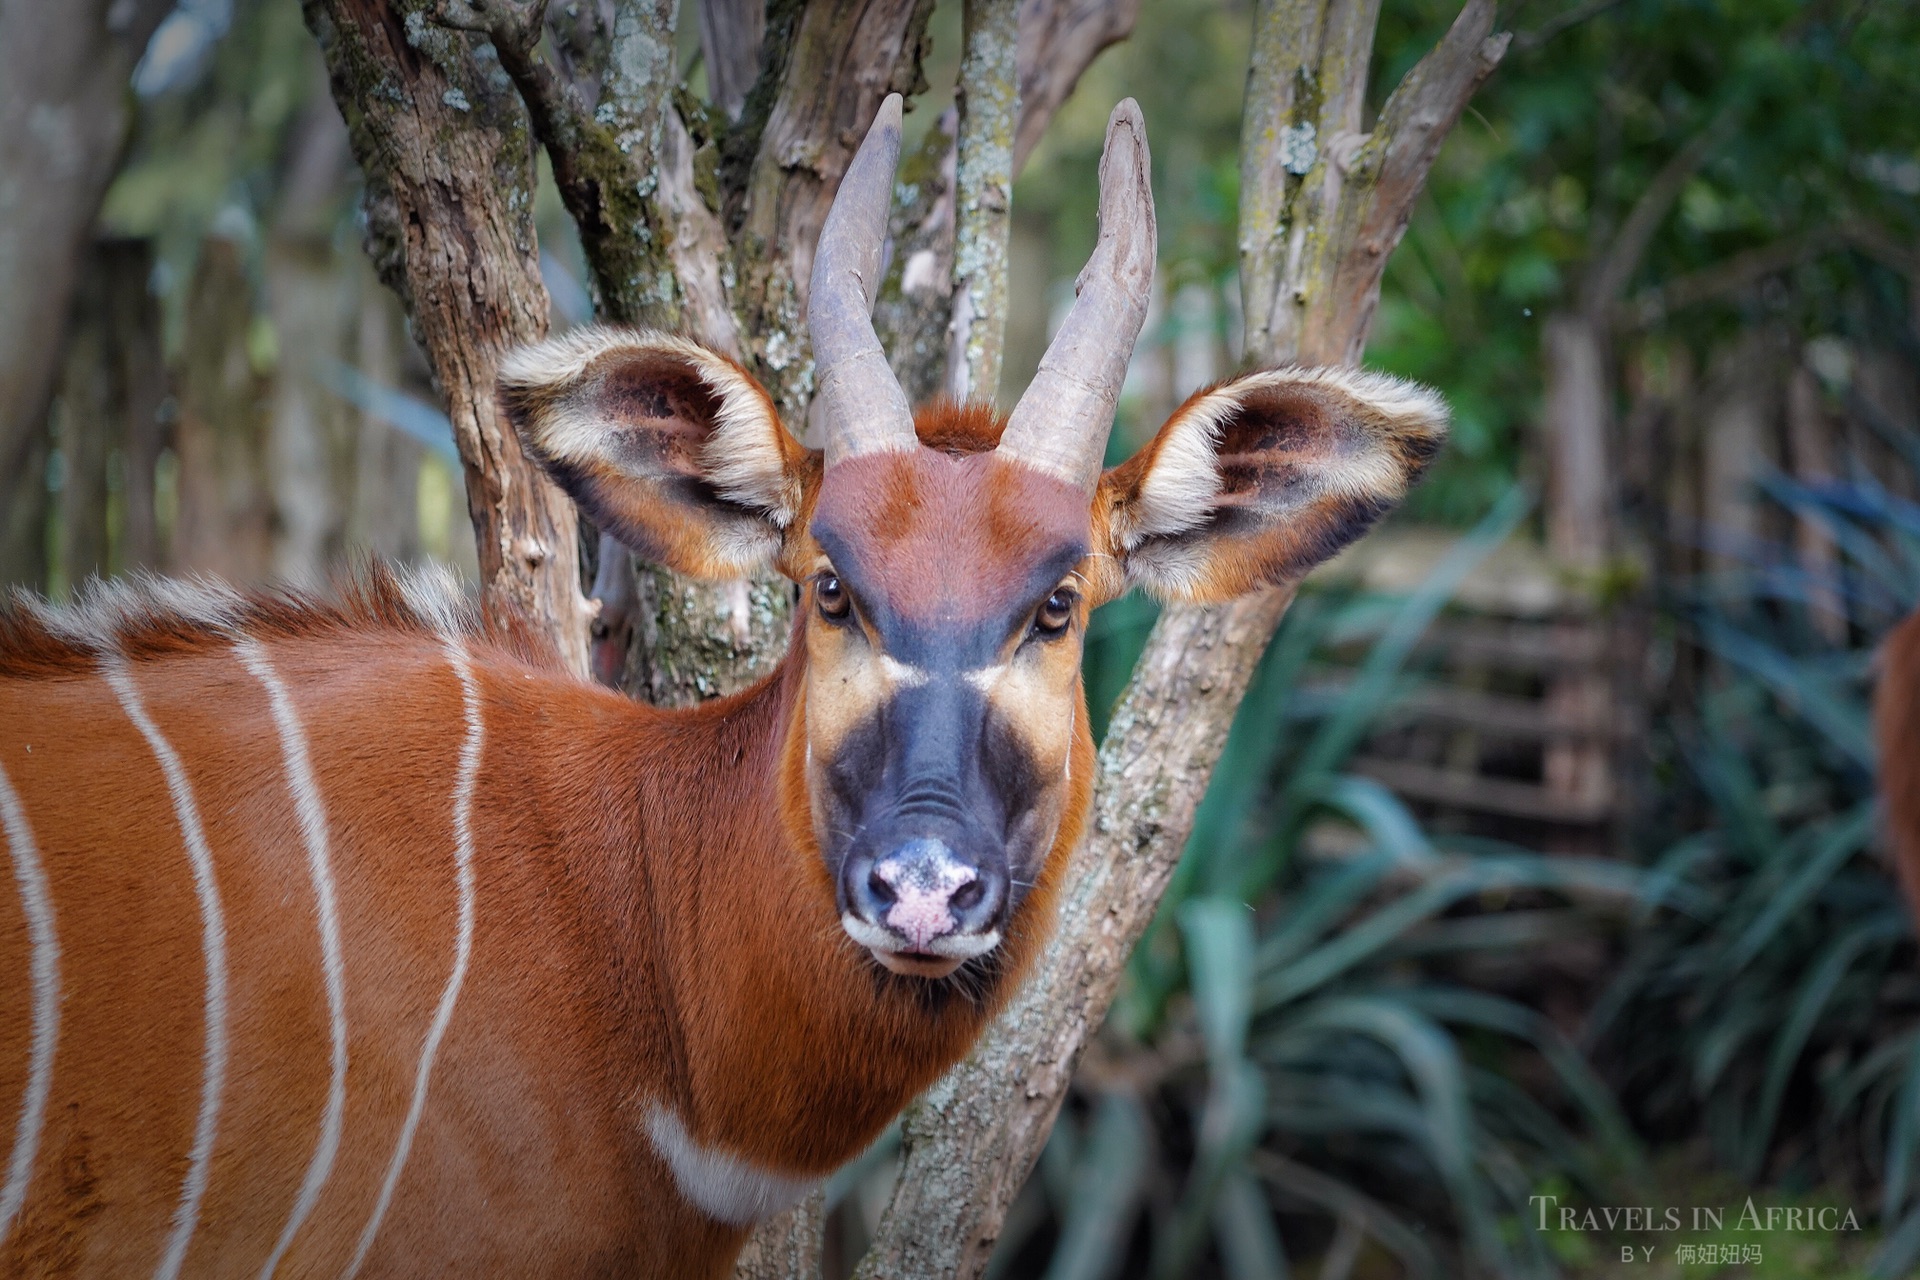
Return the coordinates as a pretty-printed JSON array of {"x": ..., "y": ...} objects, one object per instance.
[
  {"x": 670, "y": 446},
  {"x": 1254, "y": 481}
]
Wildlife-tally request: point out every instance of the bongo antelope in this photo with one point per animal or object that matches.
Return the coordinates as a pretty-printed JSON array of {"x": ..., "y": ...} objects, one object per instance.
[{"x": 360, "y": 939}]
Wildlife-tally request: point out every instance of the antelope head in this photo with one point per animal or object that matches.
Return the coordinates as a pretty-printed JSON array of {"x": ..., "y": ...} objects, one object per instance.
[{"x": 938, "y": 763}]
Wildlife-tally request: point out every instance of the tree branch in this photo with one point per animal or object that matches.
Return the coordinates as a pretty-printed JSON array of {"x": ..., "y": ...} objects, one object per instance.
[
  {"x": 1742, "y": 270},
  {"x": 1059, "y": 39},
  {"x": 989, "y": 105},
  {"x": 1528, "y": 41},
  {"x": 1385, "y": 178},
  {"x": 605, "y": 155},
  {"x": 730, "y": 35},
  {"x": 449, "y": 196}
]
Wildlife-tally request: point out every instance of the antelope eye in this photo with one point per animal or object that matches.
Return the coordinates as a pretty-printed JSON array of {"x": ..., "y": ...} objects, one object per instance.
[
  {"x": 832, "y": 598},
  {"x": 1055, "y": 614}
]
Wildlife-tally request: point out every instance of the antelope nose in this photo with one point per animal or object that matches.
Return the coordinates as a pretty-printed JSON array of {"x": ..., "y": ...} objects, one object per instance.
[{"x": 922, "y": 891}]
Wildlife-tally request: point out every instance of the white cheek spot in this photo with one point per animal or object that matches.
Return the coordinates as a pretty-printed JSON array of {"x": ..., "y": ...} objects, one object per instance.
[
  {"x": 986, "y": 678},
  {"x": 900, "y": 674},
  {"x": 721, "y": 1185}
]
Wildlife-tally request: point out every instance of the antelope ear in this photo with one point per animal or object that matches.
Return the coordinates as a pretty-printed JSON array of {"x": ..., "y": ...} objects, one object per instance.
[
  {"x": 1253, "y": 482},
  {"x": 670, "y": 447}
]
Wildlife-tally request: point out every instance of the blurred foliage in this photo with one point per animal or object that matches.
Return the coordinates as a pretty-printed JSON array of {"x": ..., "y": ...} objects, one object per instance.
[
  {"x": 1768, "y": 996},
  {"x": 210, "y": 148},
  {"x": 1533, "y": 187}
]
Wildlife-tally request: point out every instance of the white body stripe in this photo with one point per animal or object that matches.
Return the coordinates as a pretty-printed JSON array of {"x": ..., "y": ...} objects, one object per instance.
[
  {"x": 38, "y": 901},
  {"x": 313, "y": 832},
  {"x": 463, "y": 789},
  {"x": 718, "y": 1183},
  {"x": 213, "y": 929}
]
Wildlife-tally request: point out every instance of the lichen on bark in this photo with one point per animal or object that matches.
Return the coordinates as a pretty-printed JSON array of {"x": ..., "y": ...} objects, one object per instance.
[{"x": 989, "y": 102}]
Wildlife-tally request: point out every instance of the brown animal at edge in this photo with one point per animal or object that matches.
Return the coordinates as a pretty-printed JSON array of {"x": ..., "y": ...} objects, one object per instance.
[
  {"x": 359, "y": 938},
  {"x": 1896, "y": 716}
]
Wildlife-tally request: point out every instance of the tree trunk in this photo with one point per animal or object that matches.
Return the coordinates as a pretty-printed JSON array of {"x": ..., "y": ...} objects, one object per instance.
[
  {"x": 1735, "y": 449},
  {"x": 25, "y": 506},
  {"x": 968, "y": 1145},
  {"x": 1582, "y": 490},
  {"x": 63, "y": 123},
  {"x": 312, "y": 430},
  {"x": 448, "y": 161},
  {"x": 1810, "y": 451},
  {"x": 225, "y": 522},
  {"x": 111, "y": 386},
  {"x": 730, "y": 34},
  {"x": 385, "y": 513},
  {"x": 989, "y": 103}
]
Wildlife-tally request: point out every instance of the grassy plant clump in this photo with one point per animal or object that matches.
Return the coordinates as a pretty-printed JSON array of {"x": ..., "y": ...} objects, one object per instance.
[{"x": 1769, "y": 1000}]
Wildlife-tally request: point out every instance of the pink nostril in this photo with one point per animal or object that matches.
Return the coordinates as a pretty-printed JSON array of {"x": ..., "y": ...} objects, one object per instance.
[{"x": 924, "y": 884}]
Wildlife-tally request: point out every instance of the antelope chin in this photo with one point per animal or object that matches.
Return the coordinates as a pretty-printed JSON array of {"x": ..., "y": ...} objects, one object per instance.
[{"x": 915, "y": 965}]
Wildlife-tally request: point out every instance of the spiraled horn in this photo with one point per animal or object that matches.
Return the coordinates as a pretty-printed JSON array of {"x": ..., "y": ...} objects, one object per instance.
[
  {"x": 1060, "y": 425},
  {"x": 863, "y": 408}
]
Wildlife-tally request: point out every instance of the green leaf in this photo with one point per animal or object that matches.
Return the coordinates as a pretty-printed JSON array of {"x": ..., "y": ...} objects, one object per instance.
[
  {"x": 1243, "y": 1224},
  {"x": 1809, "y": 1004},
  {"x": 1219, "y": 935},
  {"x": 1106, "y": 1193}
]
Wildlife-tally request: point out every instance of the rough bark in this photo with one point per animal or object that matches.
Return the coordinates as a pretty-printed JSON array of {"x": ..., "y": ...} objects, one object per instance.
[
  {"x": 624, "y": 163},
  {"x": 63, "y": 124},
  {"x": 448, "y": 159},
  {"x": 786, "y": 1247},
  {"x": 968, "y": 1145},
  {"x": 989, "y": 104},
  {"x": 606, "y": 149}
]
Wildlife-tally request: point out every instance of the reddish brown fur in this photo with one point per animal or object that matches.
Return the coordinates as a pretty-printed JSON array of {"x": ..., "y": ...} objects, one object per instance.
[{"x": 1896, "y": 713}]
